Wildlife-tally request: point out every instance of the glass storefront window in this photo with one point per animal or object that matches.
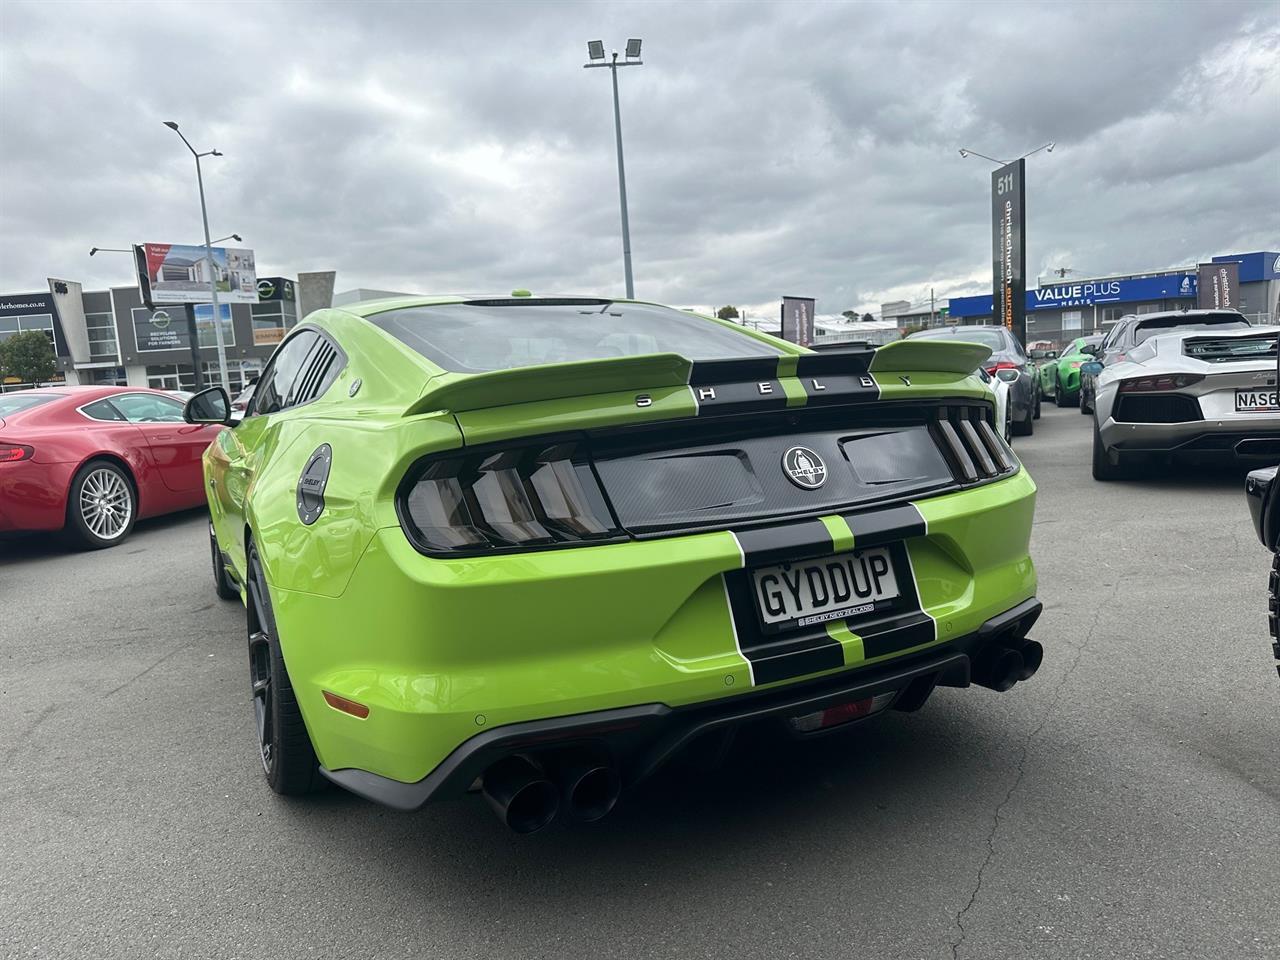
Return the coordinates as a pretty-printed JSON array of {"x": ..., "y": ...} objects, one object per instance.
[
  {"x": 102, "y": 336},
  {"x": 271, "y": 320}
]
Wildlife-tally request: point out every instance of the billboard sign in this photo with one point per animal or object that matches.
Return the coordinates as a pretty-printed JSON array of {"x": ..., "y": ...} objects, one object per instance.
[
  {"x": 797, "y": 320},
  {"x": 1009, "y": 248},
  {"x": 1219, "y": 286},
  {"x": 165, "y": 328},
  {"x": 172, "y": 273},
  {"x": 276, "y": 288}
]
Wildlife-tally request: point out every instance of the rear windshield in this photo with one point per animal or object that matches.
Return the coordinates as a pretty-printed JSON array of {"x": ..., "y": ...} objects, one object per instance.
[
  {"x": 498, "y": 335},
  {"x": 11, "y": 403},
  {"x": 1151, "y": 328},
  {"x": 988, "y": 338}
]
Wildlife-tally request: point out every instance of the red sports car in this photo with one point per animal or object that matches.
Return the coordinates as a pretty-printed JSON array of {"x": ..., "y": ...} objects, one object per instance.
[{"x": 92, "y": 460}]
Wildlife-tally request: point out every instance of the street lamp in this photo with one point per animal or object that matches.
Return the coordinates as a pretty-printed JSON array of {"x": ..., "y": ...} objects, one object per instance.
[
  {"x": 595, "y": 54},
  {"x": 208, "y": 251}
]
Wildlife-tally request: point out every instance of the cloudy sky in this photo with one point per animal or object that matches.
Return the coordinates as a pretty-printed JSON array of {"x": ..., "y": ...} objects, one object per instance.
[{"x": 772, "y": 148}]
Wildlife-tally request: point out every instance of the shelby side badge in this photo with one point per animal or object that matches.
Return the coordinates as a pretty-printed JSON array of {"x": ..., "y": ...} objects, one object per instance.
[{"x": 804, "y": 468}]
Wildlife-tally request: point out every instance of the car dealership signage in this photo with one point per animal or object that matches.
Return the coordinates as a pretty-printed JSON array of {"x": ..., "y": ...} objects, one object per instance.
[
  {"x": 797, "y": 319},
  {"x": 1219, "y": 285},
  {"x": 1009, "y": 248},
  {"x": 171, "y": 273}
]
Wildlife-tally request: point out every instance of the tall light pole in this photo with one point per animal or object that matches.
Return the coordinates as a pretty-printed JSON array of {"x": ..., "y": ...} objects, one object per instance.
[
  {"x": 208, "y": 252},
  {"x": 595, "y": 52}
]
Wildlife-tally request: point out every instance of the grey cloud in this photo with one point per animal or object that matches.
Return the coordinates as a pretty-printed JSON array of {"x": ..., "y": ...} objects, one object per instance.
[{"x": 772, "y": 147}]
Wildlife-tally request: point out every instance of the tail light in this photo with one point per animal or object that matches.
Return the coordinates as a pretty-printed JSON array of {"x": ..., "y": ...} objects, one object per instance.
[
  {"x": 13, "y": 452},
  {"x": 839, "y": 715},
  {"x": 1002, "y": 365},
  {"x": 522, "y": 497},
  {"x": 1075, "y": 364},
  {"x": 1175, "y": 381}
]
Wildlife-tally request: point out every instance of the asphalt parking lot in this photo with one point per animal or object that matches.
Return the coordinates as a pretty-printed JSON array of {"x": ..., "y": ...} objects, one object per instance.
[{"x": 1123, "y": 803}]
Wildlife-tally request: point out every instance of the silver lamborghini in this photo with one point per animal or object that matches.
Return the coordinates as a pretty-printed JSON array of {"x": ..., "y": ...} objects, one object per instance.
[{"x": 1198, "y": 395}]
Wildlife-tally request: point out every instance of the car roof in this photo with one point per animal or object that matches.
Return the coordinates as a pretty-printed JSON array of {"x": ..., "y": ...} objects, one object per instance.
[{"x": 1186, "y": 316}]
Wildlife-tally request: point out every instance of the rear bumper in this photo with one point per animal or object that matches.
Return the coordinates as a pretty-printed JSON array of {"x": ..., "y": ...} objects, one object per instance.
[
  {"x": 1236, "y": 439},
  {"x": 33, "y": 495},
  {"x": 641, "y": 738}
]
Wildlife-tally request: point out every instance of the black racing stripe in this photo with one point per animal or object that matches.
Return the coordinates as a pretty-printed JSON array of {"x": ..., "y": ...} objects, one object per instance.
[
  {"x": 740, "y": 370},
  {"x": 829, "y": 389},
  {"x": 793, "y": 541},
  {"x": 899, "y": 633},
  {"x": 723, "y": 398},
  {"x": 885, "y": 526},
  {"x": 780, "y": 656},
  {"x": 834, "y": 363}
]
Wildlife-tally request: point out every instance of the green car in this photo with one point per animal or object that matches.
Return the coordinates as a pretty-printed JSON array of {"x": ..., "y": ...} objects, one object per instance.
[
  {"x": 536, "y": 547},
  {"x": 1060, "y": 378}
]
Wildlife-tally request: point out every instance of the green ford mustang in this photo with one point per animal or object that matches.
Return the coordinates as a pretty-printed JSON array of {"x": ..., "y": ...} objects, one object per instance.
[
  {"x": 536, "y": 547},
  {"x": 1060, "y": 378}
]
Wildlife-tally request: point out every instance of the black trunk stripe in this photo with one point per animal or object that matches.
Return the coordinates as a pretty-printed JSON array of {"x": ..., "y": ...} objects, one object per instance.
[
  {"x": 740, "y": 370},
  {"x": 835, "y": 363},
  {"x": 885, "y": 526},
  {"x": 795, "y": 541}
]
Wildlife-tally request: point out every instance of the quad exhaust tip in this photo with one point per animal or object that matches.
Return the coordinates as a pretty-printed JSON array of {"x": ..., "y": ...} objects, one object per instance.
[{"x": 526, "y": 795}]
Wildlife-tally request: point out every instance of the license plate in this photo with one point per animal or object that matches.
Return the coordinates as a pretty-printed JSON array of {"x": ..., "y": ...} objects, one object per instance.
[
  {"x": 830, "y": 588},
  {"x": 1257, "y": 401}
]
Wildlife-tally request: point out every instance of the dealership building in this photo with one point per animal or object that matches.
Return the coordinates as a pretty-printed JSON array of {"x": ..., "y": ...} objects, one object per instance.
[
  {"x": 111, "y": 337},
  {"x": 1076, "y": 308}
]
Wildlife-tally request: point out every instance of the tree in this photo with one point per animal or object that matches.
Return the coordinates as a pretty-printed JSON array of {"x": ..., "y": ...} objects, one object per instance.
[
  {"x": 727, "y": 313},
  {"x": 867, "y": 318},
  {"x": 28, "y": 356},
  {"x": 850, "y": 314}
]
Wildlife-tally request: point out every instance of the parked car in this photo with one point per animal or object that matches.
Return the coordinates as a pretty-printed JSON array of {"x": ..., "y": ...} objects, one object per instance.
[
  {"x": 1263, "y": 494},
  {"x": 1006, "y": 354},
  {"x": 93, "y": 460},
  {"x": 1060, "y": 377},
  {"x": 1000, "y": 390},
  {"x": 1133, "y": 329},
  {"x": 1204, "y": 392},
  {"x": 539, "y": 545},
  {"x": 1042, "y": 353}
]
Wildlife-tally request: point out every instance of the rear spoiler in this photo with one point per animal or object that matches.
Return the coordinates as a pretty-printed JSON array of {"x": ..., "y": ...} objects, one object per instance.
[{"x": 556, "y": 381}]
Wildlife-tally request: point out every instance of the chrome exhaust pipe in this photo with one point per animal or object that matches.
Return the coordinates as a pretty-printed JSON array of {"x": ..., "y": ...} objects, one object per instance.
[
  {"x": 591, "y": 787},
  {"x": 999, "y": 669},
  {"x": 520, "y": 794}
]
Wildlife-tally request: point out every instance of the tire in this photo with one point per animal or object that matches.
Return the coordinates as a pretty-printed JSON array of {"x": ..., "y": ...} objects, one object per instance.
[
  {"x": 1071, "y": 400},
  {"x": 1036, "y": 415},
  {"x": 1026, "y": 426},
  {"x": 288, "y": 759},
  {"x": 1085, "y": 408},
  {"x": 102, "y": 505},
  {"x": 1273, "y": 592},
  {"x": 1058, "y": 398},
  {"x": 223, "y": 585},
  {"x": 1008, "y": 423},
  {"x": 1104, "y": 469}
]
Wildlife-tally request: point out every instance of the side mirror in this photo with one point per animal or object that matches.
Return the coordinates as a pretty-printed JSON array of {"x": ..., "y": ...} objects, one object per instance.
[
  {"x": 208, "y": 406},
  {"x": 1051, "y": 354},
  {"x": 1039, "y": 354},
  {"x": 1092, "y": 368},
  {"x": 1008, "y": 376},
  {"x": 1089, "y": 348}
]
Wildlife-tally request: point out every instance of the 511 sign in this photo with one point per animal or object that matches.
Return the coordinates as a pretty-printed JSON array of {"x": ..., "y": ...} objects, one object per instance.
[{"x": 1009, "y": 249}]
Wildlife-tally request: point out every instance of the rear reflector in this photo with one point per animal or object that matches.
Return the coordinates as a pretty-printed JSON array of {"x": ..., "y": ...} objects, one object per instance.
[
  {"x": 844, "y": 713},
  {"x": 345, "y": 705}
]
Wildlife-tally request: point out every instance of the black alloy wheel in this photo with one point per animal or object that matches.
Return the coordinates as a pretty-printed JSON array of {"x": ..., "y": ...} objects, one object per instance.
[
  {"x": 288, "y": 759},
  {"x": 1025, "y": 426}
]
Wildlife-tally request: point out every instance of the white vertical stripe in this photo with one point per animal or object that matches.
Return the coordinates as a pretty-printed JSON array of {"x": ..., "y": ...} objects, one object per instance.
[
  {"x": 697, "y": 407},
  {"x": 733, "y": 623},
  {"x": 912, "y": 567}
]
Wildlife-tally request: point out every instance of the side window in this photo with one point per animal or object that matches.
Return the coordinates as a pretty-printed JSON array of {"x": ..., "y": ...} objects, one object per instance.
[
  {"x": 319, "y": 370},
  {"x": 273, "y": 389},
  {"x": 148, "y": 408},
  {"x": 102, "y": 410}
]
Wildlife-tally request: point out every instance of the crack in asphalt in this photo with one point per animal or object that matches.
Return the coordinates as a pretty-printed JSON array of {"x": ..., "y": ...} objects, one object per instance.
[
  {"x": 1025, "y": 747},
  {"x": 139, "y": 676}
]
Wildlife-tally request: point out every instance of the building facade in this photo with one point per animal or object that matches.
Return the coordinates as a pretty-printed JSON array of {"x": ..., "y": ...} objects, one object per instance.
[
  {"x": 1076, "y": 308},
  {"x": 127, "y": 344}
]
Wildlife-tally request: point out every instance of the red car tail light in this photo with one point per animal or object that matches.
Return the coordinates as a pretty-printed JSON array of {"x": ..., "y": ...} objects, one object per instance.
[
  {"x": 13, "y": 452},
  {"x": 1173, "y": 381},
  {"x": 521, "y": 497},
  {"x": 1002, "y": 365}
]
